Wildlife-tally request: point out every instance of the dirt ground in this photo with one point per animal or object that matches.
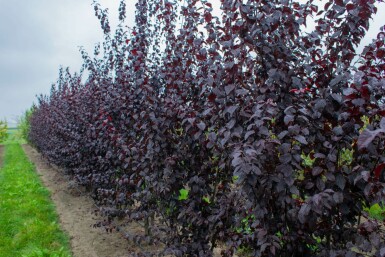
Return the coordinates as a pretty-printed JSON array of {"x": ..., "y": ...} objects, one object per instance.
[{"x": 76, "y": 216}]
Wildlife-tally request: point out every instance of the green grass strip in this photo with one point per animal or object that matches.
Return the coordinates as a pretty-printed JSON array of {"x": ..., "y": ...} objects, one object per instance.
[{"x": 28, "y": 220}]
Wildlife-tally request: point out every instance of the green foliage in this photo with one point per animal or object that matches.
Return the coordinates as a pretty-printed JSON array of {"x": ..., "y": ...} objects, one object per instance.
[
  {"x": 307, "y": 160},
  {"x": 183, "y": 194},
  {"x": 377, "y": 212},
  {"x": 62, "y": 252},
  {"x": 244, "y": 251},
  {"x": 365, "y": 119},
  {"x": 246, "y": 222},
  {"x": 206, "y": 199},
  {"x": 14, "y": 136},
  {"x": 346, "y": 156},
  {"x": 28, "y": 222},
  {"x": 24, "y": 124},
  {"x": 3, "y": 131}
]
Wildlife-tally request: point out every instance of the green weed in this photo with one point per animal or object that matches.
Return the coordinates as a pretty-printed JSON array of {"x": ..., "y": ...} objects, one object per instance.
[{"x": 377, "y": 211}]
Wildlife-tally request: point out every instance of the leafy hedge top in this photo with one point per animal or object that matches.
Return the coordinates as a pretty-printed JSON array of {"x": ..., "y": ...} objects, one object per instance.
[{"x": 241, "y": 129}]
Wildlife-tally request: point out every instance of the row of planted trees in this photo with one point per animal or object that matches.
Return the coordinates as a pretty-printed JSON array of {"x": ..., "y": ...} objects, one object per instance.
[{"x": 230, "y": 130}]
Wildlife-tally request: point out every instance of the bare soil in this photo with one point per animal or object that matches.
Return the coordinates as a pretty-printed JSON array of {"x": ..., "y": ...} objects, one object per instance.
[{"x": 75, "y": 210}]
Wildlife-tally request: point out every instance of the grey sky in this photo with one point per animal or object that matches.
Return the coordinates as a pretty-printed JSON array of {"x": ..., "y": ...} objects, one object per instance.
[{"x": 39, "y": 36}]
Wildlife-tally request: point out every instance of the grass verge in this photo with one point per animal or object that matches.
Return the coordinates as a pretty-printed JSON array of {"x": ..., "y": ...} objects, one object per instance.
[{"x": 28, "y": 221}]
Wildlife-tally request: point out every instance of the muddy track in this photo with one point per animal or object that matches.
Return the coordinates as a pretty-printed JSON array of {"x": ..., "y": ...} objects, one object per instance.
[{"x": 76, "y": 216}]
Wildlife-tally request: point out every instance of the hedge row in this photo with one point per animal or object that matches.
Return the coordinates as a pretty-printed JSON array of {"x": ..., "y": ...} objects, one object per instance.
[{"x": 243, "y": 130}]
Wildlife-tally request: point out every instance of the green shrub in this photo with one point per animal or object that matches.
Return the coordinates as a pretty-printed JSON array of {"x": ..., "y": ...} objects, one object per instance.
[
  {"x": 24, "y": 124},
  {"x": 3, "y": 131}
]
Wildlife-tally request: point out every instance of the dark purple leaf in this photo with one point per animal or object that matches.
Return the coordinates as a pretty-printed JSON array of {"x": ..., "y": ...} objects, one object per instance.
[
  {"x": 229, "y": 88},
  {"x": 338, "y": 197},
  {"x": 304, "y": 212},
  {"x": 288, "y": 119},
  {"x": 285, "y": 158},
  {"x": 367, "y": 136},
  {"x": 201, "y": 126},
  {"x": 316, "y": 171},
  {"x": 301, "y": 139},
  {"x": 231, "y": 109}
]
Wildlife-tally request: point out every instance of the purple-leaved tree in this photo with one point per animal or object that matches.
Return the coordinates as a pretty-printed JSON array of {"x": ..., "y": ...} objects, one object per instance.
[{"x": 241, "y": 131}]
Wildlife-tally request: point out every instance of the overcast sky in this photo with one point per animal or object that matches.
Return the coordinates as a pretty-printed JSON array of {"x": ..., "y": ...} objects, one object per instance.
[{"x": 39, "y": 36}]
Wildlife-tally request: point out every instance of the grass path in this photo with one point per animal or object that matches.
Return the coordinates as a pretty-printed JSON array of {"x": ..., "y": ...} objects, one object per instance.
[{"x": 28, "y": 221}]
